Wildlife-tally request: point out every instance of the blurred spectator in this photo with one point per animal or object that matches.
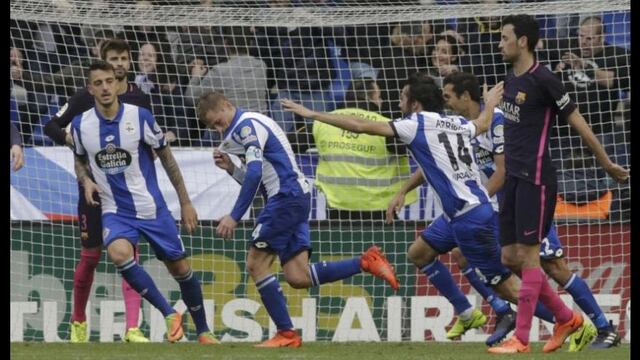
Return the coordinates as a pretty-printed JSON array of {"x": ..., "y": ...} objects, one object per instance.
[
  {"x": 482, "y": 36},
  {"x": 298, "y": 65},
  {"x": 50, "y": 45},
  {"x": 594, "y": 73},
  {"x": 70, "y": 78},
  {"x": 444, "y": 58},
  {"x": 15, "y": 151},
  {"x": 157, "y": 77},
  {"x": 406, "y": 54},
  {"x": 242, "y": 78},
  {"x": 353, "y": 167},
  {"x": 26, "y": 107}
]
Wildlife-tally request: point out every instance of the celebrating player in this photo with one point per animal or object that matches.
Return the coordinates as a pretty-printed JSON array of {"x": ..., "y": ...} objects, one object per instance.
[
  {"x": 453, "y": 174},
  {"x": 461, "y": 94},
  {"x": 282, "y": 228},
  {"x": 117, "y": 53},
  {"x": 117, "y": 139},
  {"x": 532, "y": 98}
]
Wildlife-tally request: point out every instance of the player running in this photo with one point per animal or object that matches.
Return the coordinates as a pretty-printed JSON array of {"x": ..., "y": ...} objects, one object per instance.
[{"x": 282, "y": 228}]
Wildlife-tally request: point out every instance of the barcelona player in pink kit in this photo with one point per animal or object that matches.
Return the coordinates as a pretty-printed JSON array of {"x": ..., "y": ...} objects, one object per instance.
[{"x": 532, "y": 98}]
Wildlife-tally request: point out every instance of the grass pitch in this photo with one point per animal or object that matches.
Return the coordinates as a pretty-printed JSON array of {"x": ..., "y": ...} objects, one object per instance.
[{"x": 309, "y": 351}]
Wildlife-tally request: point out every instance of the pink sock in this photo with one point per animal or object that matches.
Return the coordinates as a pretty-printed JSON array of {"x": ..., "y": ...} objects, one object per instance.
[
  {"x": 82, "y": 281},
  {"x": 132, "y": 300},
  {"x": 552, "y": 301},
  {"x": 527, "y": 298}
]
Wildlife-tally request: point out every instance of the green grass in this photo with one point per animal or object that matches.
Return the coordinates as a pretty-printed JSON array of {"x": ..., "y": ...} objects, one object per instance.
[{"x": 309, "y": 351}]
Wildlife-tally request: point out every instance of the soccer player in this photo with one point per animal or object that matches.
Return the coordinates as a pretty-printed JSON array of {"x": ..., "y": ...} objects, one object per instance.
[
  {"x": 117, "y": 53},
  {"x": 461, "y": 93},
  {"x": 282, "y": 228},
  {"x": 116, "y": 140},
  {"x": 459, "y": 90},
  {"x": 453, "y": 174},
  {"x": 533, "y": 96}
]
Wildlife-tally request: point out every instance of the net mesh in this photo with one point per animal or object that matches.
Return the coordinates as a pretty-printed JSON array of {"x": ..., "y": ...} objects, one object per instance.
[{"x": 316, "y": 52}]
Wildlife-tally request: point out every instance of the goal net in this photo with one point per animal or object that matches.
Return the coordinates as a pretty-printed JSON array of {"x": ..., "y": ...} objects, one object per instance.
[{"x": 329, "y": 55}]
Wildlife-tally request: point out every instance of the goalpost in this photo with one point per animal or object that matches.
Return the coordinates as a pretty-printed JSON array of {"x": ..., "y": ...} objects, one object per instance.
[{"x": 313, "y": 51}]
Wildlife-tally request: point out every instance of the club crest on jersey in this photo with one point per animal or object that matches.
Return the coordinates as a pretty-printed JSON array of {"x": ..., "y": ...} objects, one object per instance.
[
  {"x": 128, "y": 127},
  {"x": 521, "y": 98},
  {"x": 113, "y": 160},
  {"x": 245, "y": 131}
]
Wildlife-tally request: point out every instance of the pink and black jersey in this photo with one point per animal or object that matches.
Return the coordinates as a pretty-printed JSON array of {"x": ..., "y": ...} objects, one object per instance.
[{"x": 530, "y": 104}]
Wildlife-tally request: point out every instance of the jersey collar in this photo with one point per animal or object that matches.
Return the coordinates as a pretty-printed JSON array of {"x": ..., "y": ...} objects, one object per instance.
[
  {"x": 236, "y": 116},
  {"x": 116, "y": 119}
]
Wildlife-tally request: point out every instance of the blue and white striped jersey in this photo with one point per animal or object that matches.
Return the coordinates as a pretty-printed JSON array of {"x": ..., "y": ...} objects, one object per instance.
[
  {"x": 485, "y": 146},
  {"x": 121, "y": 159},
  {"x": 263, "y": 143},
  {"x": 441, "y": 147}
]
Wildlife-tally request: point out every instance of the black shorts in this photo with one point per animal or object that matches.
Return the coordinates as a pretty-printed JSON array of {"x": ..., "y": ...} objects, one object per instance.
[
  {"x": 90, "y": 220},
  {"x": 526, "y": 211}
]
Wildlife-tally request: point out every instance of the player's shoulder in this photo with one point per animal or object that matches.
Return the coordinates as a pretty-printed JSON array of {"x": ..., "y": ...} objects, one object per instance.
[{"x": 543, "y": 74}]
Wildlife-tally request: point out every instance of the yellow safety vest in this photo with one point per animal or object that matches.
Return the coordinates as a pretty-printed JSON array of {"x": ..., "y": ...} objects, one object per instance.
[{"x": 356, "y": 171}]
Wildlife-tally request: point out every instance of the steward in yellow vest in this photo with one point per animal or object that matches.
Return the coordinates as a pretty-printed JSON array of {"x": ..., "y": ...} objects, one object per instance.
[{"x": 358, "y": 172}]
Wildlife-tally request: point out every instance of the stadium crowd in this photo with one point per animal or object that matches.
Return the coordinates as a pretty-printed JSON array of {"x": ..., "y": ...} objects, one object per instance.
[{"x": 258, "y": 66}]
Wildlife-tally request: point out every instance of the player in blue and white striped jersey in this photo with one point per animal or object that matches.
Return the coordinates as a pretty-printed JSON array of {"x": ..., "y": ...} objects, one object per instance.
[
  {"x": 116, "y": 140},
  {"x": 441, "y": 147},
  {"x": 282, "y": 228}
]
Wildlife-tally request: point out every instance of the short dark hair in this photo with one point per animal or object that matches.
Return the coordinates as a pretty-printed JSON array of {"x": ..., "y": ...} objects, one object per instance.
[
  {"x": 524, "y": 25},
  {"x": 358, "y": 94},
  {"x": 210, "y": 100},
  {"x": 423, "y": 89},
  {"x": 118, "y": 45},
  {"x": 455, "y": 47},
  {"x": 100, "y": 65},
  {"x": 462, "y": 82}
]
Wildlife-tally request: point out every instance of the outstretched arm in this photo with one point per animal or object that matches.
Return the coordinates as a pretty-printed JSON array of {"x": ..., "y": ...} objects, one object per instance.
[
  {"x": 578, "y": 122},
  {"x": 347, "y": 122},
  {"x": 189, "y": 215}
]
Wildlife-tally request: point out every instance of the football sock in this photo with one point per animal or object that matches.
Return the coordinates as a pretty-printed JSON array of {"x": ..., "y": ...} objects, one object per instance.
[
  {"x": 274, "y": 301},
  {"x": 532, "y": 279},
  {"x": 550, "y": 298},
  {"x": 583, "y": 296},
  {"x": 144, "y": 285},
  {"x": 324, "y": 272},
  {"x": 82, "y": 281},
  {"x": 192, "y": 296},
  {"x": 497, "y": 303},
  {"x": 441, "y": 278}
]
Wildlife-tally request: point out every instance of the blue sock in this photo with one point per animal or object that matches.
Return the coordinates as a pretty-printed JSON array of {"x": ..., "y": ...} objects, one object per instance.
[
  {"x": 324, "y": 272},
  {"x": 543, "y": 313},
  {"x": 141, "y": 282},
  {"x": 497, "y": 303},
  {"x": 274, "y": 301},
  {"x": 441, "y": 278},
  {"x": 583, "y": 296},
  {"x": 192, "y": 296}
]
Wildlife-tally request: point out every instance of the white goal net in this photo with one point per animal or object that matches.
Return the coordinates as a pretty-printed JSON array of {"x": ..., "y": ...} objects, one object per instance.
[{"x": 328, "y": 54}]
